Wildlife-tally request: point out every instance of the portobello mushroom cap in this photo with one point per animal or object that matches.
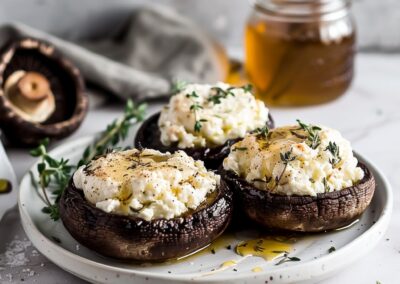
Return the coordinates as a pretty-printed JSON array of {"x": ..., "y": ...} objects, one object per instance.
[
  {"x": 133, "y": 238},
  {"x": 149, "y": 134},
  {"x": 326, "y": 211},
  {"x": 33, "y": 70}
]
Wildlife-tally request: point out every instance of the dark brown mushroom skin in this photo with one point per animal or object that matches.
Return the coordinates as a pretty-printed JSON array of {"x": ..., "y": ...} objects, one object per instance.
[
  {"x": 323, "y": 212},
  {"x": 130, "y": 238},
  {"x": 66, "y": 83},
  {"x": 148, "y": 136}
]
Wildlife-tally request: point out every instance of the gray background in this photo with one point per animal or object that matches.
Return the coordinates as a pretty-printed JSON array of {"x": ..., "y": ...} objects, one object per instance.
[{"x": 377, "y": 20}]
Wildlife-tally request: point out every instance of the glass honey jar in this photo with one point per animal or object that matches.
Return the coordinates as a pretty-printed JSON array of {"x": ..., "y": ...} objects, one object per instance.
[{"x": 300, "y": 52}]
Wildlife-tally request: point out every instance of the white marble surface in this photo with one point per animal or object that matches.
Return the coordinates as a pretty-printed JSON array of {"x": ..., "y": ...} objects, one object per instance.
[{"x": 368, "y": 115}]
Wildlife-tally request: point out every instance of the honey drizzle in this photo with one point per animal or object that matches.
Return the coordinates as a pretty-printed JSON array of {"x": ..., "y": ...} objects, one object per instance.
[
  {"x": 5, "y": 186},
  {"x": 268, "y": 248}
]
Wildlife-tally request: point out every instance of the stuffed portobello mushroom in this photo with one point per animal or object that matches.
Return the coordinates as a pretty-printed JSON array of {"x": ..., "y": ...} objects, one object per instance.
[
  {"x": 204, "y": 121},
  {"x": 145, "y": 205},
  {"x": 299, "y": 178}
]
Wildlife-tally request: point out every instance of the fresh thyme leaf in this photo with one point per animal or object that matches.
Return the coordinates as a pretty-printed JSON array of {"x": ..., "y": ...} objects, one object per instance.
[
  {"x": 331, "y": 249},
  {"x": 287, "y": 258},
  {"x": 178, "y": 86},
  {"x": 326, "y": 186},
  {"x": 195, "y": 106},
  {"x": 313, "y": 138},
  {"x": 192, "y": 95},
  {"x": 247, "y": 88},
  {"x": 50, "y": 170},
  {"x": 334, "y": 150},
  {"x": 298, "y": 135},
  {"x": 239, "y": 149},
  {"x": 220, "y": 94},
  {"x": 262, "y": 132},
  {"x": 197, "y": 126},
  {"x": 53, "y": 211},
  {"x": 286, "y": 158}
]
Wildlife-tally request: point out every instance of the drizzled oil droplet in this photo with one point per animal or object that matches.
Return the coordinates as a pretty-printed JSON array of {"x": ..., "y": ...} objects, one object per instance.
[
  {"x": 228, "y": 263},
  {"x": 5, "y": 186},
  {"x": 257, "y": 269},
  {"x": 268, "y": 248}
]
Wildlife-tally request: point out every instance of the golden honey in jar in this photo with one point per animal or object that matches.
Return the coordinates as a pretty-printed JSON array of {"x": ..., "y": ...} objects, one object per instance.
[{"x": 300, "y": 52}]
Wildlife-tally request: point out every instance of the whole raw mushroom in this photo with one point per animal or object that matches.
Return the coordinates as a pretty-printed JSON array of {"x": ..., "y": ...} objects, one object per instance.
[{"x": 41, "y": 95}]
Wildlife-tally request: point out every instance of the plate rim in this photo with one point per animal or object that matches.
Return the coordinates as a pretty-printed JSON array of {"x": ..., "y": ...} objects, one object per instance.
[{"x": 381, "y": 224}]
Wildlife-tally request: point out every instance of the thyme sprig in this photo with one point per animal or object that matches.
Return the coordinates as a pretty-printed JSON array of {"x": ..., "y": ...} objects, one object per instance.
[
  {"x": 197, "y": 122},
  {"x": 220, "y": 94},
  {"x": 115, "y": 132},
  {"x": 247, "y": 88},
  {"x": 178, "y": 86},
  {"x": 223, "y": 94},
  {"x": 262, "y": 132},
  {"x": 287, "y": 258},
  {"x": 327, "y": 188},
  {"x": 195, "y": 107},
  {"x": 286, "y": 158},
  {"x": 313, "y": 138},
  {"x": 54, "y": 174},
  {"x": 50, "y": 170},
  {"x": 334, "y": 150}
]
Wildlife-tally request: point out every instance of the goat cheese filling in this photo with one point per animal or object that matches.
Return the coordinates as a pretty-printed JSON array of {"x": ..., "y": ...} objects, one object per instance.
[
  {"x": 295, "y": 160},
  {"x": 202, "y": 115},
  {"x": 146, "y": 183}
]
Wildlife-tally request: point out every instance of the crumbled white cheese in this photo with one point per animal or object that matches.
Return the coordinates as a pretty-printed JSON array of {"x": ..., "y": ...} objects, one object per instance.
[
  {"x": 258, "y": 159},
  {"x": 147, "y": 184},
  {"x": 233, "y": 116}
]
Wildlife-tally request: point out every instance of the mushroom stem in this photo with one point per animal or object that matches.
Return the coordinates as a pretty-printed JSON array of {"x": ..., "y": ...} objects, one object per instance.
[
  {"x": 30, "y": 95},
  {"x": 33, "y": 86}
]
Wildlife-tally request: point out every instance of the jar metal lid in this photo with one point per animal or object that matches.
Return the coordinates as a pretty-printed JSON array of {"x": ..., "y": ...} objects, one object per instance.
[{"x": 303, "y": 10}]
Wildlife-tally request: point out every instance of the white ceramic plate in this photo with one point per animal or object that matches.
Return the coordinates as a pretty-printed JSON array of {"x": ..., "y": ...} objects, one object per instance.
[
  {"x": 316, "y": 263},
  {"x": 7, "y": 200}
]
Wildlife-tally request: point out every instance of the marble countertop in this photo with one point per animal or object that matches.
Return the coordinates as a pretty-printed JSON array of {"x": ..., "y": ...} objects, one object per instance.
[{"x": 368, "y": 115}]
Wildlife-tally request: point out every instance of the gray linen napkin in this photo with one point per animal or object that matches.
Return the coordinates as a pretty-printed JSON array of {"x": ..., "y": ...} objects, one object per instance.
[{"x": 155, "y": 47}]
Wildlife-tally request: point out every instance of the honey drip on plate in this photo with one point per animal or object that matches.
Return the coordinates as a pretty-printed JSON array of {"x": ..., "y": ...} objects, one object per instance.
[
  {"x": 5, "y": 186},
  {"x": 257, "y": 269},
  {"x": 268, "y": 248},
  {"x": 221, "y": 242},
  {"x": 228, "y": 263}
]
